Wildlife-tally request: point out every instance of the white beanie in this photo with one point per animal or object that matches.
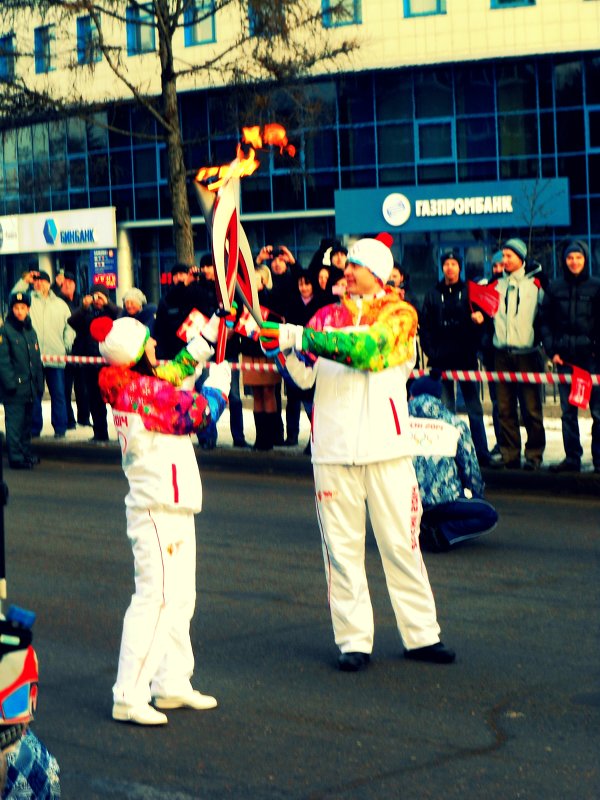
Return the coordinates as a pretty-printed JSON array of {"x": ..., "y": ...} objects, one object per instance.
[
  {"x": 374, "y": 255},
  {"x": 121, "y": 341}
]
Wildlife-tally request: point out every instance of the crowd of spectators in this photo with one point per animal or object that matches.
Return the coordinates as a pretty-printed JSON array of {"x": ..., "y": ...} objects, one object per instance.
[{"x": 536, "y": 322}]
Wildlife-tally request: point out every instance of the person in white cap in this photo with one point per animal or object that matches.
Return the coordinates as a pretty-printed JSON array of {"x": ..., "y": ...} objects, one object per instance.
[
  {"x": 360, "y": 353},
  {"x": 154, "y": 419}
]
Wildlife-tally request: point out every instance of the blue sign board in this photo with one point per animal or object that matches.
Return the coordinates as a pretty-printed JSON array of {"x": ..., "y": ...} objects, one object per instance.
[
  {"x": 103, "y": 268},
  {"x": 455, "y": 206}
]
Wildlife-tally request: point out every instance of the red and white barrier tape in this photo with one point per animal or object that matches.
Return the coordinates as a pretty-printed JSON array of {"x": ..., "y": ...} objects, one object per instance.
[{"x": 478, "y": 376}]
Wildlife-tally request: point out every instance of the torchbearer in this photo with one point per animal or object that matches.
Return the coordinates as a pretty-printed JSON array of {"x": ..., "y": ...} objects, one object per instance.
[
  {"x": 359, "y": 354},
  {"x": 154, "y": 420}
]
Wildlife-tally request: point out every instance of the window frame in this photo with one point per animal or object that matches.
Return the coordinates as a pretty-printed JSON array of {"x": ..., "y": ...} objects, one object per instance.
[
  {"x": 137, "y": 18},
  {"x": 430, "y": 122},
  {"x": 334, "y": 21},
  {"x": 207, "y": 10},
  {"x": 8, "y": 56},
  {"x": 44, "y": 47},
  {"x": 511, "y": 3},
  {"x": 439, "y": 9},
  {"x": 88, "y": 35}
]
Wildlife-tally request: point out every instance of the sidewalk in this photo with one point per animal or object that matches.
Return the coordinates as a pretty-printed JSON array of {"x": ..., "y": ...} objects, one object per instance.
[{"x": 77, "y": 446}]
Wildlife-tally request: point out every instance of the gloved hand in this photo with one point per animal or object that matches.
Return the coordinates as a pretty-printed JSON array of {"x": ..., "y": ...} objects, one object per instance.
[
  {"x": 211, "y": 330},
  {"x": 231, "y": 317},
  {"x": 219, "y": 377},
  {"x": 199, "y": 349},
  {"x": 275, "y": 338}
]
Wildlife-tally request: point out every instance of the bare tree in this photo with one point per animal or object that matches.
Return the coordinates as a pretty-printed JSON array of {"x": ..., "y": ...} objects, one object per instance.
[{"x": 263, "y": 48}]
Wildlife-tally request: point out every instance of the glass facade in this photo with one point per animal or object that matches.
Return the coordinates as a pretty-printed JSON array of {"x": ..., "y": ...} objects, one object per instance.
[{"x": 535, "y": 117}]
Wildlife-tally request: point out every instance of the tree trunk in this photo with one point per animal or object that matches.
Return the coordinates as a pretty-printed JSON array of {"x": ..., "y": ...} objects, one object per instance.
[{"x": 183, "y": 236}]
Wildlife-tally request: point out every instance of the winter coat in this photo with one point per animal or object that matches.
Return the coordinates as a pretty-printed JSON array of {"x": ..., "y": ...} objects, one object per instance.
[
  {"x": 448, "y": 335},
  {"x": 173, "y": 309},
  {"x": 49, "y": 317},
  {"x": 570, "y": 319},
  {"x": 21, "y": 371},
  {"x": 516, "y": 322},
  {"x": 443, "y": 479}
]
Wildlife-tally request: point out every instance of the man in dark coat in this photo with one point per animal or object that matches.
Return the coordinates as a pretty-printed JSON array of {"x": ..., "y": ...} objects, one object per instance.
[
  {"x": 450, "y": 336},
  {"x": 97, "y": 304},
  {"x": 184, "y": 295},
  {"x": 21, "y": 379},
  {"x": 571, "y": 335}
]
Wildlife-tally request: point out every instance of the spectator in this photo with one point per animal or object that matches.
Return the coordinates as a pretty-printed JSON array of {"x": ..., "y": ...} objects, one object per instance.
[
  {"x": 487, "y": 348},
  {"x": 49, "y": 317},
  {"x": 450, "y": 485},
  {"x": 571, "y": 335},
  {"x": 450, "y": 336},
  {"x": 516, "y": 349},
  {"x": 262, "y": 384},
  {"x": 25, "y": 282},
  {"x": 93, "y": 306},
  {"x": 207, "y": 305},
  {"x": 156, "y": 660},
  {"x": 303, "y": 305},
  {"x": 137, "y": 306},
  {"x": 173, "y": 309},
  {"x": 338, "y": 256},
  {"x": 21, "y": 379},
  {"x": 65, "y": 287},
  {"x": 280, "y": 261},
  {"x": 362, "y": 454}
]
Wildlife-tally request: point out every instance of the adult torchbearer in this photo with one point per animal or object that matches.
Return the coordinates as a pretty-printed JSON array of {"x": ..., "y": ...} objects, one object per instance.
[{"x": 360, "y": 355}]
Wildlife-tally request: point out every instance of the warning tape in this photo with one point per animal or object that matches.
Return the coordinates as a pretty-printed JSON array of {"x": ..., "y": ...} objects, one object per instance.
[{"x": 477, "y": 376}]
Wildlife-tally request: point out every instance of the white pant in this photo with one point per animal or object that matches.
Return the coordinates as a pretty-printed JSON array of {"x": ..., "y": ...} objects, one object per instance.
[
  {"x": 156, "y": 655},
  {"x": 390, "y": 490}
]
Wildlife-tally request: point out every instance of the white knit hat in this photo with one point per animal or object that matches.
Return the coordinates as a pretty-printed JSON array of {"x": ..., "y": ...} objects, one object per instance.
[
  {"x": 374, "y": 255},
  {"x": 121, "y": 341}
]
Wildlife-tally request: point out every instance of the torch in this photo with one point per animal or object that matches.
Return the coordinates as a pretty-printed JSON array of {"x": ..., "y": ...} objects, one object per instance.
[{"x": 218, "y": 192}]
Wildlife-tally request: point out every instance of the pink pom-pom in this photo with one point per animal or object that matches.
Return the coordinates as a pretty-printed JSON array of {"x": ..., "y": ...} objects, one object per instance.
[{"x": 100, "y": 328}]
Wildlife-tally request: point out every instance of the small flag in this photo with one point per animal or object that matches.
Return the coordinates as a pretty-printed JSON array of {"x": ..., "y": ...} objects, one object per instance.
[
  {"x": 581, "y": 388},
  {"x": 192, "y": 325},
  {"x": 484, "y": 296}
]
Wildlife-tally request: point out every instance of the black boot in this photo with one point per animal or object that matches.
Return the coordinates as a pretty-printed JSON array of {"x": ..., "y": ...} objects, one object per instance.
[{"x": 263, "y": 437}]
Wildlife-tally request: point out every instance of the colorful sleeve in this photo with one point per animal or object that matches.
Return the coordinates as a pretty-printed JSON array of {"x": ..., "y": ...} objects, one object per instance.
[
  {"x": 382, "y": 345},
  {"x": 179, "y": 368}
]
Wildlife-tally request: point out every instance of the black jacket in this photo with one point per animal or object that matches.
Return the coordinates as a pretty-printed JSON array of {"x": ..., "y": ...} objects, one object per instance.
[
  {"x": 570, "y": 319},
  {"x": 447, "y": 333},
  {"x": 173, "y": 309},
  {"x": 21, "y": 371},
  {"x": 81, "y": 320}
]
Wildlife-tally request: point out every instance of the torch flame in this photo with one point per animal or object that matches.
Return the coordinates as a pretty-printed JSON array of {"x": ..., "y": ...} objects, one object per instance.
[{"x": 245, "y": 164}]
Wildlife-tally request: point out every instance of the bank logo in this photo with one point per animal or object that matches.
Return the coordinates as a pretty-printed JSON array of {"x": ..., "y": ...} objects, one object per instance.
[
  {"x": 50, "y": 231},
  {"x": 396, "y": 209}
]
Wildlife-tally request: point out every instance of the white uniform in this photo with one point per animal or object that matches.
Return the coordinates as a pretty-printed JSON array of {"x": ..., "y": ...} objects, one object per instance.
[
  {"x": 153, "y": 421},
  {"x": 361, "y": 452}
]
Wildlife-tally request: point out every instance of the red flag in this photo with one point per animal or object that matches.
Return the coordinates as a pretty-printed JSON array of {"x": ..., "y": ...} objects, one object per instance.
[
  {"x": 581, "y": 388},
  {"x": 192, "y": 325},
  {"x": 486, "y": 297}
]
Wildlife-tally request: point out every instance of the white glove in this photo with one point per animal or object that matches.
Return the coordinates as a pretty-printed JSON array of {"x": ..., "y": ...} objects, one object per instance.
[
  {"x": 290, "y": 337},
  {"x": 219, "y": 377},
  {"x": 199, "y": 349},
  {"x": 211, "y": 330}
]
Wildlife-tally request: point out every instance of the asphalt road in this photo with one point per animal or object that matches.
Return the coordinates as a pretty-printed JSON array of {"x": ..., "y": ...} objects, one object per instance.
[{"x": 516, "y": 717}]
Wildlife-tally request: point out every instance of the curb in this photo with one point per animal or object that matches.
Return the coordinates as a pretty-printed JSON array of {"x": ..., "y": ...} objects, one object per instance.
[{"x": 289, "y": 462}]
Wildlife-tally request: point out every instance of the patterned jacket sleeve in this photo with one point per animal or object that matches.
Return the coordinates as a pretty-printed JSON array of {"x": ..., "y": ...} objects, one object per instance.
[{"x": 384, "y": 344}]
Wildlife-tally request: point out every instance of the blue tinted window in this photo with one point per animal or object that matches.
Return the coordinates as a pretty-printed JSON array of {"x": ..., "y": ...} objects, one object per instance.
[
  {"x": 348, "y": 12},
  {"x": 199, "y": 22},
  {"x": 88, "y": 50},
  {"x": 140, "y": 30},
  {"x": 417, "y": 8},
  {"x": 44, "y": 42},
  {"x": 7, "y": 57}
]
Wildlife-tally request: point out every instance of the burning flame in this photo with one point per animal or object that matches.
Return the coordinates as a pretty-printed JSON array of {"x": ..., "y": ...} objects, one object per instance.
[{"x": 246, "y": 163}]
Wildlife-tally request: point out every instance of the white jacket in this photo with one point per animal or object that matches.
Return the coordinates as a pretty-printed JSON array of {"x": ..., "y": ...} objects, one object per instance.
[
  {"x": 359, "y": 417},
  {"x": 520, "y": 298}
]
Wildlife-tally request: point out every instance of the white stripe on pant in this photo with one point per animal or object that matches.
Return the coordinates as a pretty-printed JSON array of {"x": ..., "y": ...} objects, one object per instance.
[{"x": 390, "y": 490}]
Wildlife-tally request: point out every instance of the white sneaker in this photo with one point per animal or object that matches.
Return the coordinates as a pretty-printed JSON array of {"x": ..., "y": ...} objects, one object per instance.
[
  {"x": 195, "y": 700},
  {"x": 140, "y": 715}
]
